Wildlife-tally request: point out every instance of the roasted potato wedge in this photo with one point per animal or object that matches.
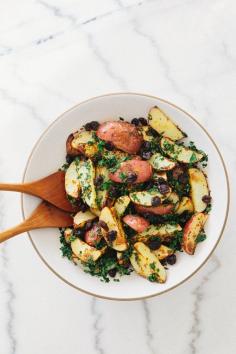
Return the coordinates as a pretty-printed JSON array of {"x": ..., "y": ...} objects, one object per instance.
[
  {"x": 185, "y": 205},
  {"x": 85, "y": 252},
  {"x": 102, "y": 195},
  {"x": 163, "y": 252},
  {"x": 85, "y": 143},
  {"x": 86, "y": 174},
  {"x": 123, "y": 135},
  {"x": 159, "y": 121},
  {"x": 136, "y": 222},
  {"x": 145, "y": 198},
  {"x": 164, "y": 231},
  {"x": 72, "y": 183},
  {"x": 81, "y": 218},
  {"x": 180, "y": 153},
  {"x": 95, "y": 211},
  {"x": 69, "y": 149},
  {"x": 199, "y": 189},
  {"x": 161, "y": 163},
  {"x": 158, "y": 210},
  {"x": 142, "y": 170},
  {"x": 121, "y": 204},
  {"x": 146, "y": 264},
  {"x": 109, "y": 217},
  {"x": 191, "y": 231},
  {"x": 174, "y": 199}
]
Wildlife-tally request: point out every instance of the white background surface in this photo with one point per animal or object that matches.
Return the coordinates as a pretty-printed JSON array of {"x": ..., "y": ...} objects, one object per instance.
[{"x": 54, "y": 54}]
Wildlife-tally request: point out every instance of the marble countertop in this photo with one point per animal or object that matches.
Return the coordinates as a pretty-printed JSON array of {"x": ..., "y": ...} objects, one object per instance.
[{"x": 56, "y": 53}]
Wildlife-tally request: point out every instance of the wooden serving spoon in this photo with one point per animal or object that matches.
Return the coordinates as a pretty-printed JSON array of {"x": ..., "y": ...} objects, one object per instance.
[
  {"x": 50, "y": 188},
  {"x": 45, "y": 215}
]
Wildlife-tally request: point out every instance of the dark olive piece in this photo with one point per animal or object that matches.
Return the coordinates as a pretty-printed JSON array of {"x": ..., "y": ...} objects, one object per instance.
[
  {"x": 131, "y": 177},
  {"x": 87, "y": 127},
  {"x": 69, "y": 158},
  {"x": 146, "y": 145},
  {"x": 96, "y": 158},
  {"x": 91, "y": 126},
  {"x": 146, "y": 155},
  {"x": 152, "y": 132},
  {"x": 161, "y": 180},
  {"x": 143, "y": 121},
  {"x": 171, "y": 259},
  {"x": 94, "y": 125},
  {"x": 109, "y": 145},
  {"x": 113, "y": 192},
  {"x": 149, "y": 185},
  {"x": 163, "y": 188},
  {"x": 112, "y": 235},
  {"x": 156, "y": 201},
  {"x": 154, "y": 244},
  {"x": 98, "y": 181},
  {"x": 206, "y": 199},
  {"x": 103, "y": 225},
  {"x": 135, "y": 121},
  {"x": 112, "y": 272},
  {"x": 83, "y": 207}
]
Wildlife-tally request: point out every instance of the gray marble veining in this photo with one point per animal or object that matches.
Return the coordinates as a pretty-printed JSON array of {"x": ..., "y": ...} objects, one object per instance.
[
  {"x": 199, "y": 296},
  {"x": 148, "y": 328},
  {"x": 97, "y": 327},
  {"x": 25, "y": 105},
  {"x": 10, "y": 297}
]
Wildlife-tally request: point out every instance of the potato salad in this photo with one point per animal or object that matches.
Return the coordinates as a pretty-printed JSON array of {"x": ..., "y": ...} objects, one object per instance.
[{"x": 140, "y": 195}]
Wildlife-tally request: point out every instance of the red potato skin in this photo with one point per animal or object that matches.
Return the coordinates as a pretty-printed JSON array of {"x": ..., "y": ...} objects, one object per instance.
[
  {"x": 93, "y": 236},
  {"x": 142, "y": 169},
  {"x": 123, "y": 135},
  {"x": 136, "y": 222},
  {"x": 158, "y": 210},
  {"x": 191, "y": 231}
]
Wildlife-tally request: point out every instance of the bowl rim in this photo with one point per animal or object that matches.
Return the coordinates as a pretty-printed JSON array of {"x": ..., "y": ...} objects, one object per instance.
[{"x": 221, "y": 231}]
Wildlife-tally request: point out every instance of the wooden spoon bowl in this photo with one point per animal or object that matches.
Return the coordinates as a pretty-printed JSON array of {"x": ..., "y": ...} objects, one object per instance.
[
  {"x": 44, "y": 216},
  {"x": 50, "y": 188}
]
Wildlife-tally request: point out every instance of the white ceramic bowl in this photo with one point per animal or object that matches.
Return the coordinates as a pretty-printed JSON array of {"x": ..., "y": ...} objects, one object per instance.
[{"x": 49, "y": 154}]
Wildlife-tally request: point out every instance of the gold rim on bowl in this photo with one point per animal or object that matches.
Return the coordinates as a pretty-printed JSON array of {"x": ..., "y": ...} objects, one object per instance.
[{"x": 222, "y": 229}]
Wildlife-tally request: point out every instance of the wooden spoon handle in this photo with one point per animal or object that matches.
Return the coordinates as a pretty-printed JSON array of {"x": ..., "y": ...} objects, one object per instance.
[
  {"x": 15, "y": 187},
  {"x": 19, "y": 229}
]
